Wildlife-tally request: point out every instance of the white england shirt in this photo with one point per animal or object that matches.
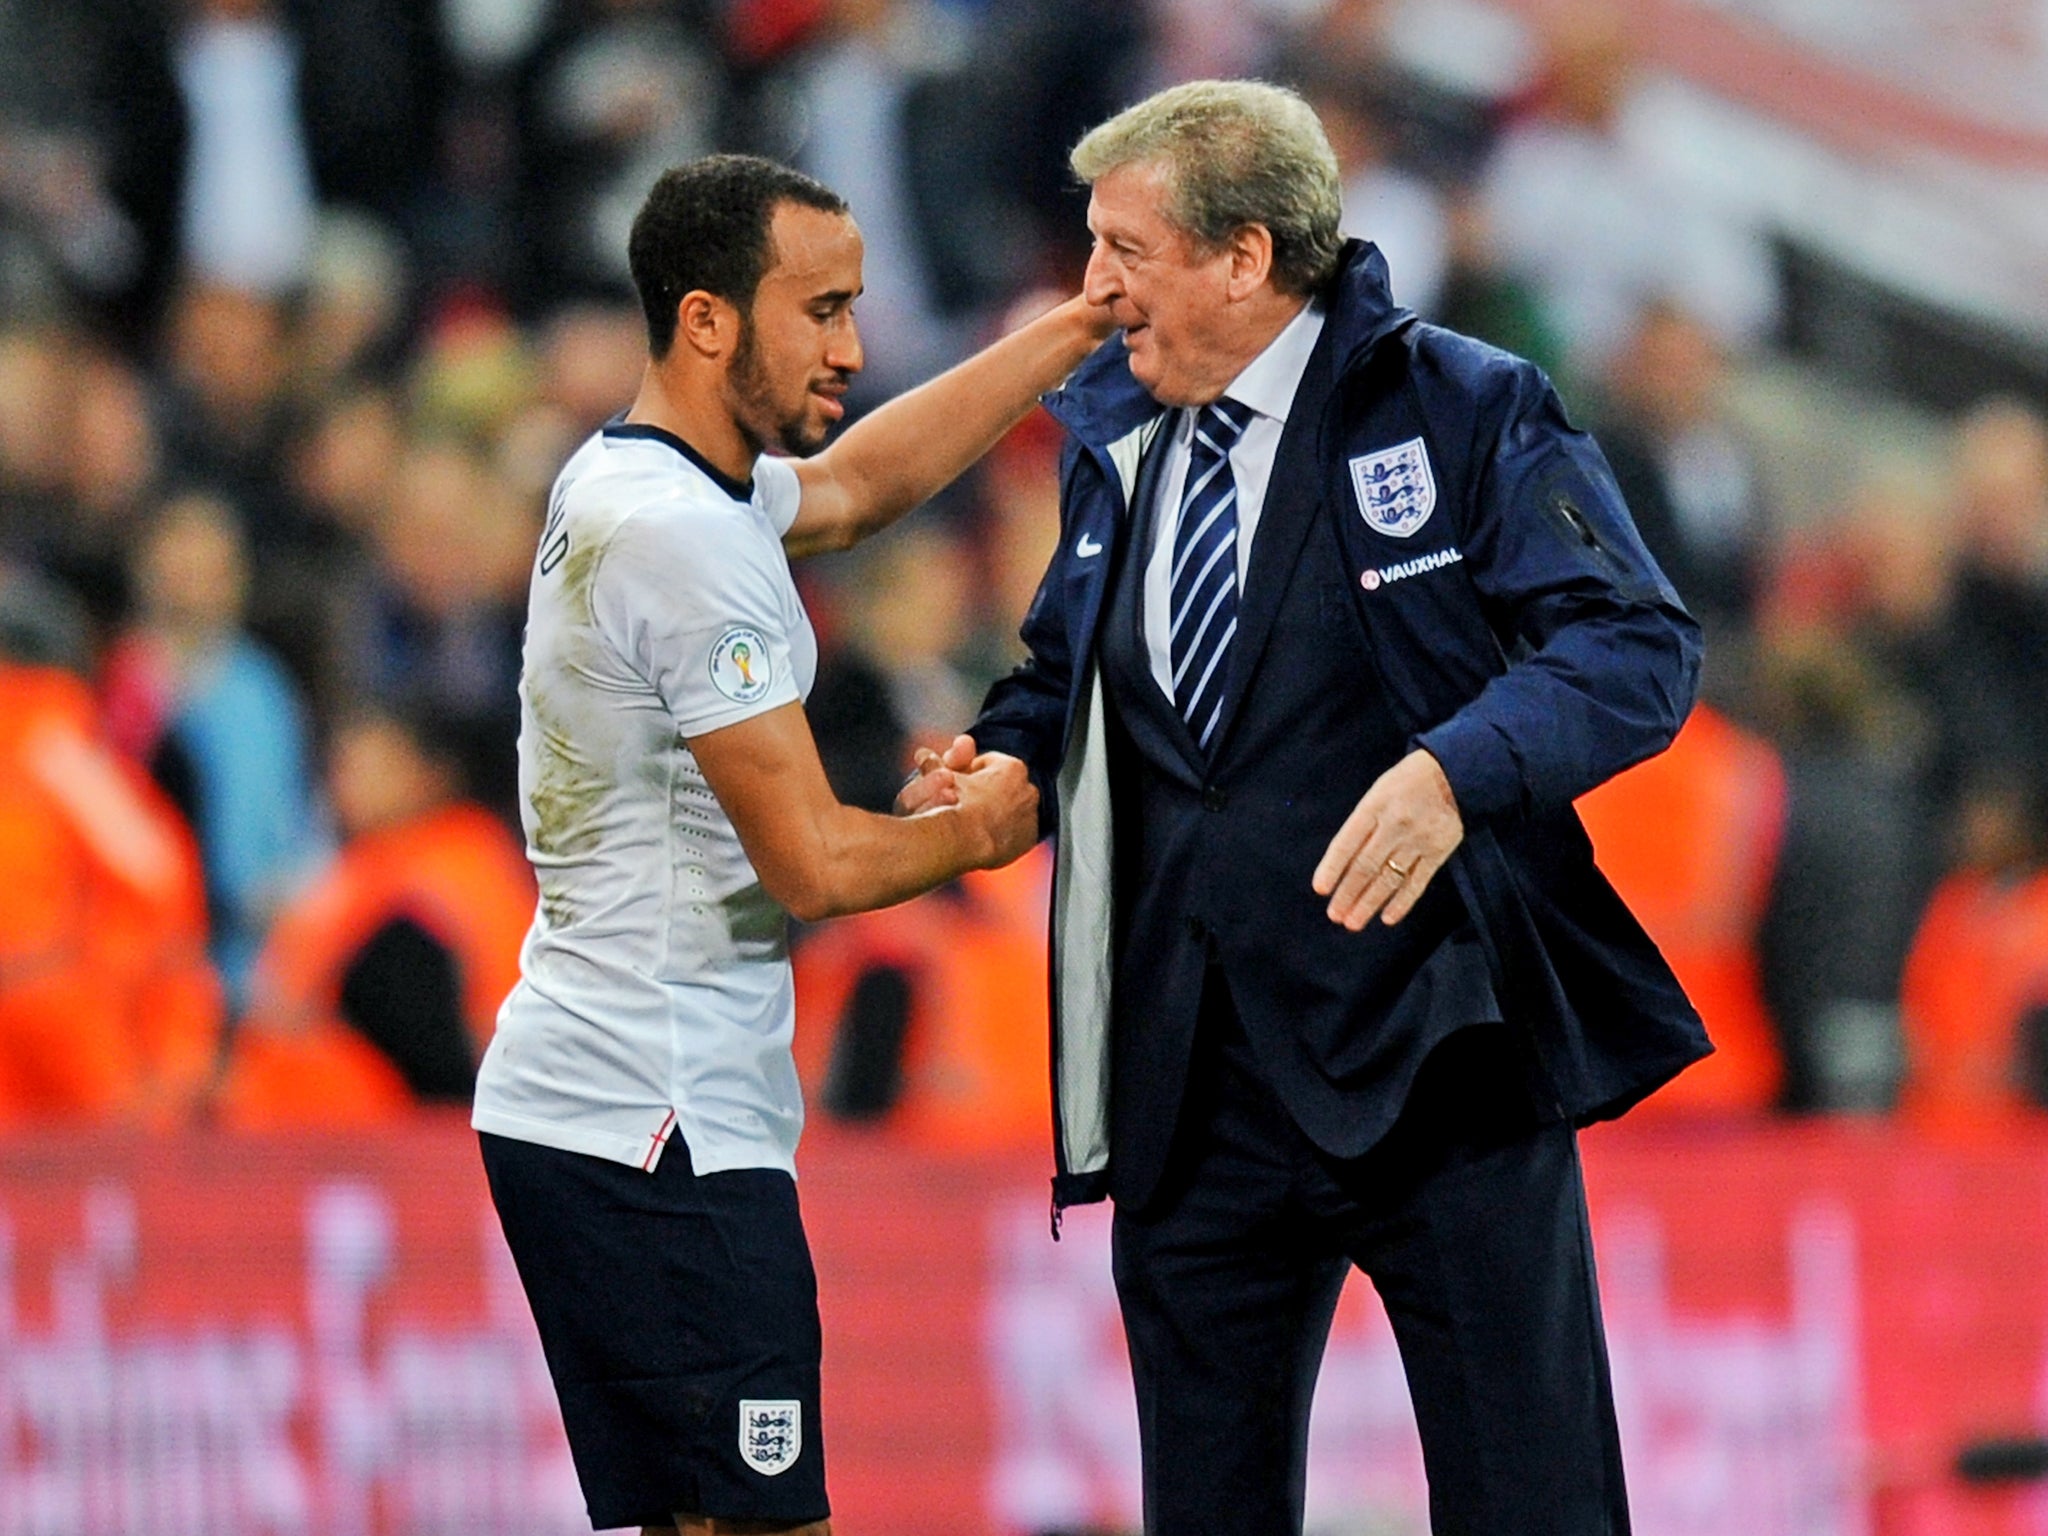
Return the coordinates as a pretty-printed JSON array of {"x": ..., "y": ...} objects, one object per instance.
[{"x": 655, "y": 993}]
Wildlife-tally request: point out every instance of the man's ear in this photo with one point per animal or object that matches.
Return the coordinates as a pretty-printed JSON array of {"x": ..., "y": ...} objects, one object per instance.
[
  {"x": 1251, "y": 260},
  {"x": 707, "y": 324}
]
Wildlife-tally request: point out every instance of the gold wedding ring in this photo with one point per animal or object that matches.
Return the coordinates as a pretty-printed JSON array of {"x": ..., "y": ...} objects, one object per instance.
[{"x": 1400, "y": 870}]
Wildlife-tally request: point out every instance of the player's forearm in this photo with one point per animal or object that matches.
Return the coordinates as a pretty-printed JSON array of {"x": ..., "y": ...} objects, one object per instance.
[
  {"x": 924, "y": 439},
  {"x": 862, "y": 861}
]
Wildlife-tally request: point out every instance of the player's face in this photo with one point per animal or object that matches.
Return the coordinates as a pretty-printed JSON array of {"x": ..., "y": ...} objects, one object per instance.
[
  {"x": 799, "y": 346},
  {"x": 1167, "y": 293}
]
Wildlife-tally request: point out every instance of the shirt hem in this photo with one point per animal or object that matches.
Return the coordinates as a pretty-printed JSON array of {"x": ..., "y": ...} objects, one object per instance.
[
  {"x": 642, "y": 1152},
  {"x": 633, "y": 1152}
]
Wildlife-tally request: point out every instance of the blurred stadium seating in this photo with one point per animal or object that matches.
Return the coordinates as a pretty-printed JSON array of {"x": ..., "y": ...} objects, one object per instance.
[{"x": 302, "y": 303}]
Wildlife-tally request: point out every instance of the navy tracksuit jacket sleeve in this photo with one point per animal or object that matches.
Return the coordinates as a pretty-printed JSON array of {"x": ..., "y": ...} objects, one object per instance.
[
  {"x": 1025, "y": 713},
  {"x": 1603, "y": 661}
]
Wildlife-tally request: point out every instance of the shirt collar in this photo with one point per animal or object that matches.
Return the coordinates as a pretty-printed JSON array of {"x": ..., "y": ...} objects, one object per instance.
[
  {"x": 1269, "y": 380},
  {"x": 618, "y": 429}
]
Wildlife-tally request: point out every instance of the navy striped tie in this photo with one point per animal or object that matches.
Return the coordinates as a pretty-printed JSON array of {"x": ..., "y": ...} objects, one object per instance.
[{"x": 1204, "y": 583}]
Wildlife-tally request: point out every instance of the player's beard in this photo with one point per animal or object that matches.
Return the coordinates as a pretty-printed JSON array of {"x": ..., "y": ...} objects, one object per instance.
[{"x": 755, "y": 410}]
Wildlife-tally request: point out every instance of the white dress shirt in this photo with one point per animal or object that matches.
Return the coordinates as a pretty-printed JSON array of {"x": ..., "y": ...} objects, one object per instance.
[{"x": 1267, "y": 386}]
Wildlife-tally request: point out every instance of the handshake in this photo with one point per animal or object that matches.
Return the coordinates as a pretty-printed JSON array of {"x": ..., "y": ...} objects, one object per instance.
[{"x": 990, "y": 791}]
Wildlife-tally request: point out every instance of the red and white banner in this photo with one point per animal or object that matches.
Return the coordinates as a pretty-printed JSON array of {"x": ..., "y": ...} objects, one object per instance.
[{"x": 324, "y": 1336}]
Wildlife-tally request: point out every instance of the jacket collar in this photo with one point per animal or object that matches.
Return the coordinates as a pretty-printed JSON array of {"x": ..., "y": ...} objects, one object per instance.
[{"x": 1101, "y": 402}]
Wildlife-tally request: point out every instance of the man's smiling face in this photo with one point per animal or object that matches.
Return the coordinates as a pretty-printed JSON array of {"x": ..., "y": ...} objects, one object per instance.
[
  {"x": 1168, "y": 293},
  {"x": 798, "y": 344}
]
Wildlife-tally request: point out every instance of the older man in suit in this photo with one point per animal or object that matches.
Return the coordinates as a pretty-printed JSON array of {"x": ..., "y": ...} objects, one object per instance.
[{"x": 1344, "y": 615}]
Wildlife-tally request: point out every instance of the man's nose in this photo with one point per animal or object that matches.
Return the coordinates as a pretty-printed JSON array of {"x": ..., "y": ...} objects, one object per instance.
[
  {"x": 1098, "y": 283},
  {"x": 846, "y": 353}
]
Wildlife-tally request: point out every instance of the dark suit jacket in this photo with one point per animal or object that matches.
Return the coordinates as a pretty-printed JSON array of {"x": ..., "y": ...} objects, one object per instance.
[
  {"x": 1215, "y": 849},
  {"x": 1442, "y": 562}
]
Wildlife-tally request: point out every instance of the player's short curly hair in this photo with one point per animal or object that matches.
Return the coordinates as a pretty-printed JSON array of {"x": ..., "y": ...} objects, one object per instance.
[
  {"x": 706, "y": 225},
  {"x": 1236, "y": 152}
]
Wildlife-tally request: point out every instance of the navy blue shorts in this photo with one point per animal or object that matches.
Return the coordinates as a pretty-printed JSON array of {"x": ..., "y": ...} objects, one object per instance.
[{"x": 679, "y": 1315}]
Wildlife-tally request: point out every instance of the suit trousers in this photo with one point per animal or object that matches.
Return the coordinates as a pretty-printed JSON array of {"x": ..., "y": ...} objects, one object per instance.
[{"x": 1470, "y": 1220}]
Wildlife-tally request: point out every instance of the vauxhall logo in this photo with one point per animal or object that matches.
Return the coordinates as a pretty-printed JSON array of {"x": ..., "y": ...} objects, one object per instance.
[{"x": 1373, "y": 578}]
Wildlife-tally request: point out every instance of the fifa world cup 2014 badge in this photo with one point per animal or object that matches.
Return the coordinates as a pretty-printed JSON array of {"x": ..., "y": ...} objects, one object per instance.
[
  {"x": 741, "y": 666},
  {"x": 1396, "y": 488},
  {"x": 771, "y": 1434}
]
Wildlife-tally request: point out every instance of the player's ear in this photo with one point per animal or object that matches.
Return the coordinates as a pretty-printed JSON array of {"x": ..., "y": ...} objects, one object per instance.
[{"x": 707, "y": 324}]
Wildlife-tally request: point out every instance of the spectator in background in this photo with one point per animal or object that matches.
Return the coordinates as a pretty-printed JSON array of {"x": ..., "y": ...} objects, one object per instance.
[
  {"x": 218, "y": 722},
  {"x": 473, "y": 373},
  {"x": 92, "y": 148},
  {"x": 1975, "y": 990},
  {"x": 77, "y": 456},
  {"x": 1580, "y": 206},
  {"x": 589, "y": 358},
  {"x": 114, "y": 464},
  {"x": 379, "y": 985},
  {"x": 109, "y": 1011},
  {"x": 442, "y": 615},
  {"x": 1483, "y": 298},
  {"x": 929, "y": 1020},
  {"x": 852, "y": 709},
  {"x": 909, "y": 608},
  {"x": 1020, "y": 529},
  {"x": 1902, "y": 627},
  {"x": 891, "y": 107},
  {"x": 375, "y": 81},
  {"x": 1689, "y": 473},
  {"x": 343, "y": 464},
  {"x": 249, "y": 199},
  {"x": 1976, "y": 980},
  {"x": 1045, "y": 72},
  {"x": 1396, "y": 210},
  {"x": 349, "y": 315},
  {"x": 1999, "y": 629},
  {"x": 35, "y": 415},
  {"x": 1976, "y": 985},
  {"x": 614, "y": 93},
  {"x": 1691, "y": 840},
  {"x": 297, "y": 107},
  {"x": 1844, "y": 900},
  {"x": 223, "y": 413}
]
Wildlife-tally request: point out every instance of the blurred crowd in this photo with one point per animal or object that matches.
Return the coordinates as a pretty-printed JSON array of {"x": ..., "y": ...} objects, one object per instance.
[{"x": 302, "y": 303}]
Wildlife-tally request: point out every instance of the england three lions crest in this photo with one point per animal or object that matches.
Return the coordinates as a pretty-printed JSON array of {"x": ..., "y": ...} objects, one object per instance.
[
  {"x": 1396, "y": 488},
  {"x": 771, "y": 1434}
]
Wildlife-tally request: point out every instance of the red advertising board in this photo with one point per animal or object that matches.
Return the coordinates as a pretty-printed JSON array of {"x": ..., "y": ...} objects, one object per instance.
[{"x": 323, "y": 1335}]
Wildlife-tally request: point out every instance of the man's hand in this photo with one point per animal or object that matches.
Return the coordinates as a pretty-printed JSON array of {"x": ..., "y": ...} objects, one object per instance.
[
  {"x": 1382, "y": 858},
  {"x": 998, "y": 798},
  {"x": 937, "y": 781},
  {"x": 1036, "y": 302}
]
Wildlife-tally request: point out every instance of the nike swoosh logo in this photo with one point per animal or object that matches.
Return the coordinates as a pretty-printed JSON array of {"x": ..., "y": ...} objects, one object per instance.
[{"x": 1087, "y": 547}]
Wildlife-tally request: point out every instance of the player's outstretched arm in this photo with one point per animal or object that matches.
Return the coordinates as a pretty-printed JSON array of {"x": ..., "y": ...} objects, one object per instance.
[
  {"x": 819, "y": 858},
  {"x": 902, "y": 453}
]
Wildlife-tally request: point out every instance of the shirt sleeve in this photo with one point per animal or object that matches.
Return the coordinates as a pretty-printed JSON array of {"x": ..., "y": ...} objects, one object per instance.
[
  {"x": 697, "y": 601},
  {"x": 777, "y": 492}
]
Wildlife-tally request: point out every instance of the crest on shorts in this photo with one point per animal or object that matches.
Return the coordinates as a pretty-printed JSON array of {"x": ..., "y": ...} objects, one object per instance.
[
  {"x": 741, "y": 667},
  {"x": 771, "y": 1433},
  {"x": 1396, "y": 488}
]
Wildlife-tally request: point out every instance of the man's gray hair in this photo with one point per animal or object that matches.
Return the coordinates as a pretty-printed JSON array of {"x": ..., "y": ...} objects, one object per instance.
[{"x": 1235, "y": 152}]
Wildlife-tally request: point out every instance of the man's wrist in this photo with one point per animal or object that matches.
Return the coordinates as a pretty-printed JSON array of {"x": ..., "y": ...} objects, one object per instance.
[
  {"x": 1082, "y": 330},
  {"x": 1477, "y": 765}
]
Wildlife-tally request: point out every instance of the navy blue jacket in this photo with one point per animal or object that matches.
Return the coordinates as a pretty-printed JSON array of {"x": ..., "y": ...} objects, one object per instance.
[{"x": 1520, "y": 633}]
